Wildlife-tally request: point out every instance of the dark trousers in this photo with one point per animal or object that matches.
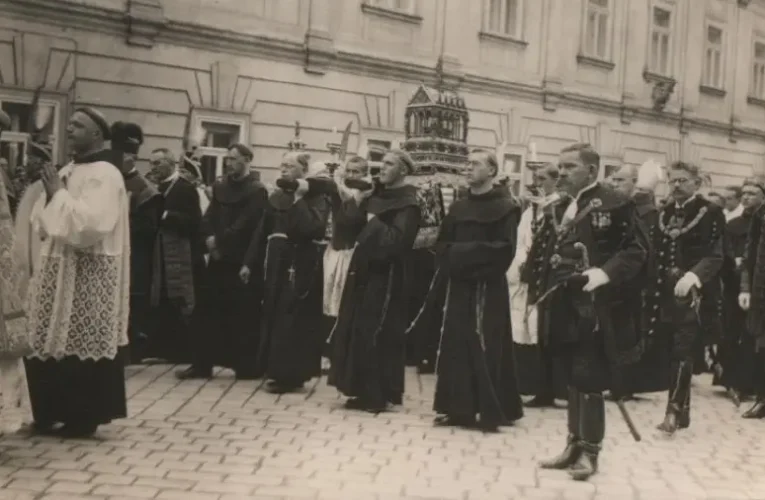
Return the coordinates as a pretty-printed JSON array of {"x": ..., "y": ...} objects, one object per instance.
[
  {"x": 546, "y": 388},
  {"x": 587, "y": 366},
  {"x": 759, "y": 374},
  {"x": 139, "y": 327}
]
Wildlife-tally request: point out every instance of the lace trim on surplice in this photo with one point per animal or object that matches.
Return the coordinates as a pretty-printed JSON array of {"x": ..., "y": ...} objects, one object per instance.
[{"x": 79, "y": 305}]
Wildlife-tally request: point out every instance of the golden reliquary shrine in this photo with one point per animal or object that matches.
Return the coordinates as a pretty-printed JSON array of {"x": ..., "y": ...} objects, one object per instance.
[{"x": 436, "y": 128}]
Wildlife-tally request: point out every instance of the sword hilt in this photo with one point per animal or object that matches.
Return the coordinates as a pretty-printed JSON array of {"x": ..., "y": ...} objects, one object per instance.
[{"x": 585, "y": 254}]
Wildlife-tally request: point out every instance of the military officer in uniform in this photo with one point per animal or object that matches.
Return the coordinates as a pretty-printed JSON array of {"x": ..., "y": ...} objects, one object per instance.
[
  {"x": 591, "y": 250},
  {"x": 684, "y": 301}
]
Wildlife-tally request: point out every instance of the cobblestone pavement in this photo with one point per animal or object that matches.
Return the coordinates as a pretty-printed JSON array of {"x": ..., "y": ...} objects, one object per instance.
[{"x": 220, "y": 440}]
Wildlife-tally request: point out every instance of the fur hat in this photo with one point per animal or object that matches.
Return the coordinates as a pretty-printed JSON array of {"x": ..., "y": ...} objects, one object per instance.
[{"x": 126, "y": 137}]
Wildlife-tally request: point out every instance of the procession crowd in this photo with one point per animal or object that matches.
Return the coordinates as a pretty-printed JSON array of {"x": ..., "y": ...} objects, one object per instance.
[{"x": 580, "y": 289}]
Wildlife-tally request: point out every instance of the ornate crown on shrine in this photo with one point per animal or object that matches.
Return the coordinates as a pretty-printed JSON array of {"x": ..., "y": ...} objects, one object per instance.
[{"x": 436, "y": 127}]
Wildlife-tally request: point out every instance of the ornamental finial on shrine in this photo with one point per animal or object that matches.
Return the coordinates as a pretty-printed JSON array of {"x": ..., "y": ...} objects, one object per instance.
[
  {"x": 296, "y": 144},
  {"x": 436, "y": 128}
]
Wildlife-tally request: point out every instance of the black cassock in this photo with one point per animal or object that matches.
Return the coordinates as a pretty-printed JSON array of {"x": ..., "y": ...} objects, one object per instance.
[
  {"x": 475, "y": 366},
  {"x": 369, "y": 339},
  {"x": 226, "y": 319},
  {"x": 291, "y": 332},
  {"x": 145, "y": 211},
  {"x": 178, "y": 268},
  {"x": 736, "y": 352}
]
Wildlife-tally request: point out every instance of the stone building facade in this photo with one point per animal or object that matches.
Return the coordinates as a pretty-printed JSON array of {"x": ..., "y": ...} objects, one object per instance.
[{"x": 639, "y": 79}]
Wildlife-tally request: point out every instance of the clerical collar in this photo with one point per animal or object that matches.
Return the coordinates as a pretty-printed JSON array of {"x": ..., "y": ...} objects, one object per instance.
[{"x": 101, "y": 155}]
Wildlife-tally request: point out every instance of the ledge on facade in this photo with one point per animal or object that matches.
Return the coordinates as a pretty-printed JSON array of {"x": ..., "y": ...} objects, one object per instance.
[
  {"x": 651, "y": 77},
  {"x": 595, "y": 62},
  {"x": 502, "y": 38},
  {"x": 755, "y": 101},
  {"x": 395, "y": 15},
  {"x": 713, "y": 91},
  {"x": 193, "y": 35}
]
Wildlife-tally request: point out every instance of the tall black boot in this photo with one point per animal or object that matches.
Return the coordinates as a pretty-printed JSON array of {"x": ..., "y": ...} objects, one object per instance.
[
  {"x": 678, "y": 413},
  {"x": 592, "y": 429},
  {"x": 571, "y": 452},
  {"x": 684, "y": 420},
  {"x": 758, "y": 409}
]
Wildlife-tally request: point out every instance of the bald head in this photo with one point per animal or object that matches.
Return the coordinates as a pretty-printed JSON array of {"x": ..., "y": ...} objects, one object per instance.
[{"x": 624, "y": 179}]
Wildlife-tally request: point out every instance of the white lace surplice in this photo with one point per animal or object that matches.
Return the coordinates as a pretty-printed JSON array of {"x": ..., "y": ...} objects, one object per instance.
[
  {"x": 523, "y": 317},
  {"x": 79, "y": 294}
]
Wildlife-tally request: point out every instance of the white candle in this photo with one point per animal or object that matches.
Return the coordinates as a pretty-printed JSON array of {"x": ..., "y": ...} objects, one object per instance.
[{"x": 533, "y": 149}]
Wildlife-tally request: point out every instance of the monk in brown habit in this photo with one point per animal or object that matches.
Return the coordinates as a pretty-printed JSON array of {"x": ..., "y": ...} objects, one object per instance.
[
  {"x": 369, "y": 339},
  {"x": 293, "y": 229},
  {"x": 226, "y": 317},
  {"x": 475, "y": 367}
]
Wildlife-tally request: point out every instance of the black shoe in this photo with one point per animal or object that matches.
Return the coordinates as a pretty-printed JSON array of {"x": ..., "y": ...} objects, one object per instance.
[
  {"x": 275, "y": 387},
  {"x": 354, "y": 404},
  {"x": 756, "y": 411},
  {"x": 78, "y": 431},
  {"x": 43, "y": 428},
  {"x": 453, "y": 421},
  {"x": 193, "y": 372},
  {"x": 540, "y": 402},
  {"x": 487, "y": 427}
]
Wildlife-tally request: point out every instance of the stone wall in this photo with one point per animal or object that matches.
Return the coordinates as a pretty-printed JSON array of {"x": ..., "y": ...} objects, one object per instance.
[{"x": 325, "y": 63}]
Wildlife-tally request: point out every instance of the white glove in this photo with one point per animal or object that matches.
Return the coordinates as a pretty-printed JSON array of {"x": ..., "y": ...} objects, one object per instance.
[
  {"x": 596, "y": 278},
  {"x": 684, "y": 285},
  {"x": 744, "y": 300},
  {"x": 739, "y": 261}
]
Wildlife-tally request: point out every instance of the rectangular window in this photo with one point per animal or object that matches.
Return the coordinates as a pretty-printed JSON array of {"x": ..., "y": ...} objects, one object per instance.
[
  {"x": 712, "y": 75},
  {"x": 214, "y": 136},
  {"x": 503, "y": 17},
  {"x": 596, "y": 28},
  {"x": 758, "y": 71},
  {"x": 659, "y": 57},
  {"x": 40, "y": 125}
]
